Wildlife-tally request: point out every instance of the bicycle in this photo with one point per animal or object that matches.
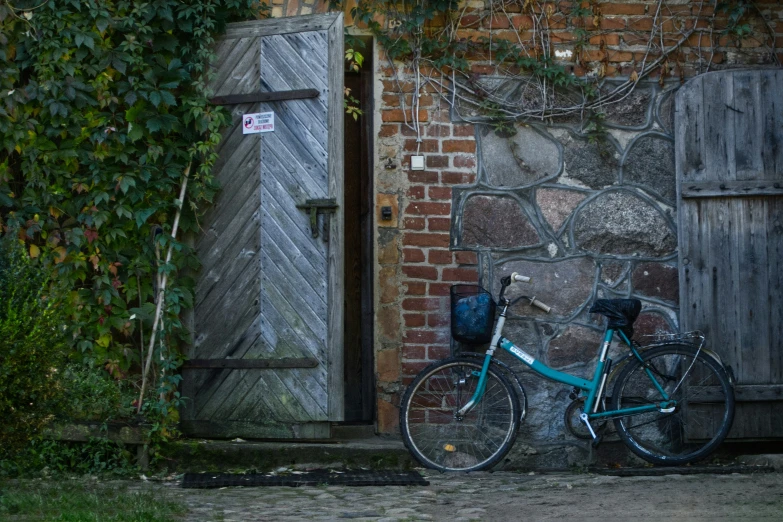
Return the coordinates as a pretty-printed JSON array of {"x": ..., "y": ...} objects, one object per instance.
[{"x": 672, "y": 401}]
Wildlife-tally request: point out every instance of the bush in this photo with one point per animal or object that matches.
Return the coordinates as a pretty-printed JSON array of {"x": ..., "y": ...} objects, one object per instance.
[{"x": 33, "y": 347}]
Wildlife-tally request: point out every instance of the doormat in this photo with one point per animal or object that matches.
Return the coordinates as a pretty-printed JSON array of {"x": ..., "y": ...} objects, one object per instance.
[{"x": 305, "y": 478}]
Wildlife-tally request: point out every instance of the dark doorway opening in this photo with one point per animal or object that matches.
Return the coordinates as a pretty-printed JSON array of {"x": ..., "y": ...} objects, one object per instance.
[{"x": 359, "y": 364}]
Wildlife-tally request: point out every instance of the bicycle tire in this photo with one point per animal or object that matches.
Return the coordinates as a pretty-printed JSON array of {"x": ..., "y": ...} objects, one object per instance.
[
  {"x": 441, "y": 441},
  {"x": 701, "y": 419}
]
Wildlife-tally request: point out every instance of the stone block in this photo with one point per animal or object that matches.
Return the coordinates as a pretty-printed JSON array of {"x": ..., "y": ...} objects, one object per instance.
[
  {"x": 651, "y": 323},
  {"x": 388, "y": 324},
  {"x": 557, "y": 205},
  {"x": 594, "y": 165},
  {"x": 387, "y": 365},
  {"x": 565, "y": 285},
  {"x": 657, "y": 280},
  {"x": 619, "y": 222},
  {"x": 496, "y": 221},
  {"x": 650, "y": 163},
  {"x": 388, "y": 247},
  {"x": 520, "y": 160},
  {"x": 575, "y": 345}
]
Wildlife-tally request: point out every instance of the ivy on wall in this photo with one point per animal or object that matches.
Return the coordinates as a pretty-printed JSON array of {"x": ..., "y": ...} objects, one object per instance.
[{"x": 103, "y": 105}]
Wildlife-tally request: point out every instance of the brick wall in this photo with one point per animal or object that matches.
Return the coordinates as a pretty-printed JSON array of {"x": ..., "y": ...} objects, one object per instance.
[{"x": 417, "y": 266}]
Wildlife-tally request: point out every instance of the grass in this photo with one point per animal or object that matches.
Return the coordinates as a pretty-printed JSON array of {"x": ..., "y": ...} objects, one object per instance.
[{"x": 76, "y": 501}]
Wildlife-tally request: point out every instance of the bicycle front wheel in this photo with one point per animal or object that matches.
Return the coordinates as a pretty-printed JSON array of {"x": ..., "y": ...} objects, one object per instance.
[
  {"x": 700, "y": 418},
  {"x": 442, "y": 440}
]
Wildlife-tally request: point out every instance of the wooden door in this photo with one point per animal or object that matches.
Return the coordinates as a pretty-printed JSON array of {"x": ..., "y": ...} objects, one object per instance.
[
  {"x": 729, "y": 157},
  {"x": 266, "y": 361}
]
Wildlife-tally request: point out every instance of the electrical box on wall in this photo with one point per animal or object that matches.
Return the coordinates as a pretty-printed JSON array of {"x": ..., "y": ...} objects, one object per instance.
[{"x": 417, "y": 162}]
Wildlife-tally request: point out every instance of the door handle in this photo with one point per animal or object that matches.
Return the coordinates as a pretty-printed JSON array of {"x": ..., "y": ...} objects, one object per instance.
[{"x": 319, "y": 206}]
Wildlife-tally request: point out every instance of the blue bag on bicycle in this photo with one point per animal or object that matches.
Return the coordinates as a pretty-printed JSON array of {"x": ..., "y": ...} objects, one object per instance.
[{"x": 472, "y": 314}]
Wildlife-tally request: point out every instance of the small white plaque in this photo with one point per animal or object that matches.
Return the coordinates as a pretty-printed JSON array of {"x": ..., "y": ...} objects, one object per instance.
[{"x": 258, "y": 122}]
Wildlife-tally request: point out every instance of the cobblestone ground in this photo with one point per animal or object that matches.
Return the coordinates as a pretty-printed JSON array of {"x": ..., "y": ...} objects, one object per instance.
[{"x": 501, "y": 496}]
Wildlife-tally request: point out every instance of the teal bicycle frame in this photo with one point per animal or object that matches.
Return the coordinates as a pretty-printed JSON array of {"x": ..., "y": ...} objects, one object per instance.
[{"x": 593, "y": 390}]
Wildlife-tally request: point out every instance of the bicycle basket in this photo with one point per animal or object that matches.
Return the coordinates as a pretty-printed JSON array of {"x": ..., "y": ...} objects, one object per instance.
[{"x": 472, "y": 314}]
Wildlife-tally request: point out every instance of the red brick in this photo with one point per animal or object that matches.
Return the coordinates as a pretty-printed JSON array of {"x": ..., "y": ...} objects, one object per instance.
[
  {"x": 422, "y": 176},
  {"x": 426, "y": 239},
  {"x": 623, "y": 9},
  {"x": 439, "y": 289},
  {"x": 421, "y": 304},
  {"x": 398, "y": 115},
  {"x": 466, "y": 275},
  {"x": 439, "y": 192},
  {"x": 438, "y": 320},
  {"x": 469, "y": 20},
  {"x": 438, "y": 131},
  {"x": 496, "y": 22},
  {"x": 457, "y": 178},
  {"x": 466, "y": 258},
  {"x": 440, "y": 257},
  {"x": 612, "y": 23},
  {"x": 437, "y": 162},
  {"x": 464, "y": 162},
  {"x": 620, "y": 56},
  {"x": 459, "y": 146},
  {"x": 415, "y": 287},
  {"x": 438, "y": 224},
  {"x": 410, "y": 223},
  {"x": 436, "y": 353},
  {"x": 642, "y": 24},
  {"x": 420, "y": 272},
  {"x": 407, "y": 131},
  {"x": 391, "y": 100},
  {"x": 463, "y": 130},
  {"x": 389, "y": 129},
  {"x": 424, "y": 208},
  {"x": 426, "y": 337},
  {"x": 413, "y": 368},
  {"x": 522, "y": 21},
  {"x": 426, "y": 146},
  {"x": 413, "y": 255},
  {"x": 607, "y": 39},
  {"x": 414, "y": 351},
  {"x": 416, "y": 192}
]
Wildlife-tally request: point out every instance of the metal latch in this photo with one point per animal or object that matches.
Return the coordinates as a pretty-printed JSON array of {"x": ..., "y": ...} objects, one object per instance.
[{"x": 319, "y": 206}]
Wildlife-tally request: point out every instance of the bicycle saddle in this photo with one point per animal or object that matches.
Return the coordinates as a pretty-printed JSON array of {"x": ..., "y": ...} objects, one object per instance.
[{"x": 620, "y": 312}]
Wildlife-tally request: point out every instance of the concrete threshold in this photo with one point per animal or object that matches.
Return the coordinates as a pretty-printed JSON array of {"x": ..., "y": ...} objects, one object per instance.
[{"x": 195, "y": 455}]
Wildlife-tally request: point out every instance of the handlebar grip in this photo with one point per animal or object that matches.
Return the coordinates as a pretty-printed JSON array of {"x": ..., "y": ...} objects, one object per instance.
[
  {"x": 538, "y": 304},
  {"x": 519, "y": 278}
]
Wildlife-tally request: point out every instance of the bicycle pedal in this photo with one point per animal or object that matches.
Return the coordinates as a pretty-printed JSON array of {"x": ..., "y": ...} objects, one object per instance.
[
  {"x": 597, "y": 440},
  {"x": 667, "y": 410}
]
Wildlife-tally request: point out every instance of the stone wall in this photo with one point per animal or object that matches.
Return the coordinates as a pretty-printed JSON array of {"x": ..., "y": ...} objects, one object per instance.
[{"x": 586, "y": 219}]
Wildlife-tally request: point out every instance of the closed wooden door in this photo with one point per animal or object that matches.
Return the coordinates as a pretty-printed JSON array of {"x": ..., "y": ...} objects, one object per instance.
[
  {"x": 729, "y": 151},
  {"x": 266, "y": 361}
]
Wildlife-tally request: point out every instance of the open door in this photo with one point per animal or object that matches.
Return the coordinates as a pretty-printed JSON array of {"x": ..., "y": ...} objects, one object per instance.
[{"x": 267, "y": 356}]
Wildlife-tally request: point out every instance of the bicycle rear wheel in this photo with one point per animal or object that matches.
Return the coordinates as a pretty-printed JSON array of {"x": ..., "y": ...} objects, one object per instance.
[
  {"x": 704, "y": 409},
  {"x": 438, "y": 438}
]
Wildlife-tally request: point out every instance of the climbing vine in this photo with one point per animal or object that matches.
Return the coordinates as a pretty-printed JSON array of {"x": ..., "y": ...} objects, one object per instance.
[
  {"x": 103, "y": 111},
  {"x": 511, "y": 60}
]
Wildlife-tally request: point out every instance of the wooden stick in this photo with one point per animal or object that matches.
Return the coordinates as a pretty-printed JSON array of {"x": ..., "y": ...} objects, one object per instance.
[{"x": 162, "y": 292}]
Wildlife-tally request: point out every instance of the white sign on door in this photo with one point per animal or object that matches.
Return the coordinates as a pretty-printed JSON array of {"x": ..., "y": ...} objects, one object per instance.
[{"x": 258, "y": 122}]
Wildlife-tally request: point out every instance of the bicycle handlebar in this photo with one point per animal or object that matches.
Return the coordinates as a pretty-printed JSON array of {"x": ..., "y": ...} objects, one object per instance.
[{"x": 519, "y": 278}]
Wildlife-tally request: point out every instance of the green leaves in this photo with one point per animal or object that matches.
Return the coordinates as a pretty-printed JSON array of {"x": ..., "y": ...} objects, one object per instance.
[{"x": 101, "y": 106}]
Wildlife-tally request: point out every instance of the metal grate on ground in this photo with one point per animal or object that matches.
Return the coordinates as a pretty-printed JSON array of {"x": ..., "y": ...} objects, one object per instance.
[{"x": 308, "y": 478}]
